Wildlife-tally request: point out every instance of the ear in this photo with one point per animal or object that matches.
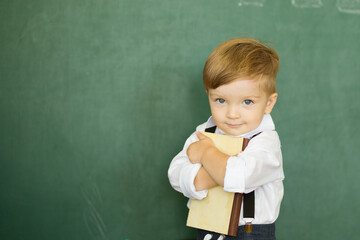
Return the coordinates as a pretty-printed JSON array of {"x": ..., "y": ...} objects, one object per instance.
[{"x": 271, "y": 103}]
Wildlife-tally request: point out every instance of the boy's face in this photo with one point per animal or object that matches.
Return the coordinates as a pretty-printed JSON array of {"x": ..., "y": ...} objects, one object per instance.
[{"x": 239, "y": 106}]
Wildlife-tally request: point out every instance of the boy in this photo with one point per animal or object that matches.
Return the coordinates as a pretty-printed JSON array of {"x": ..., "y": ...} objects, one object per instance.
[{"x": 240, "y": 80}]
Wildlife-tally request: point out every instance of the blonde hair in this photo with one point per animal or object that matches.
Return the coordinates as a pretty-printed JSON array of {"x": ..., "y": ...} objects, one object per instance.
[{"x": 241, "y": 58}]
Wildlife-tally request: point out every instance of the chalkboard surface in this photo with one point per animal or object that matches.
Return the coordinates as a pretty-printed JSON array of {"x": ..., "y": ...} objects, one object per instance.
[{"x": 97, "y": 96}]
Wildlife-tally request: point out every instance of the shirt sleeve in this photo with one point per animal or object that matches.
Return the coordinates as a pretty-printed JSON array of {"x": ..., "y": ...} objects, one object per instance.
[
  {"x": 182, "y": 173},
  {"x": 259, "y": 164}
]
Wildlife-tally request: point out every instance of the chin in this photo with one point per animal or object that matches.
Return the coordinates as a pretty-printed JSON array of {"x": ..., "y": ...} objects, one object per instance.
[{"x": 233, "y": 132}]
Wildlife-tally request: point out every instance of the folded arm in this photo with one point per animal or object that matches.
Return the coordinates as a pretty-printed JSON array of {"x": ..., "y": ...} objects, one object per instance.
[
  {"x": 213, "y": 161},
  {"x": 259, "y": 164},
  {"x": 183, "y": 174}
]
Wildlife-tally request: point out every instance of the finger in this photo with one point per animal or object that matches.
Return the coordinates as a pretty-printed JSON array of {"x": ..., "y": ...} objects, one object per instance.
[{"x": 200, "y": 136}]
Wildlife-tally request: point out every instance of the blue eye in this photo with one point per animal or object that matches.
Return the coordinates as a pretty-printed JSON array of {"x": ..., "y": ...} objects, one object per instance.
[
  {"x": 248, "y": 102},
  {"x": 220, "y": 100}
]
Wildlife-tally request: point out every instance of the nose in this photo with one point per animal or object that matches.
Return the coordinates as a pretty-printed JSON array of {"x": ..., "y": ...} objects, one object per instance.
[{"x": 233, "y": 112}]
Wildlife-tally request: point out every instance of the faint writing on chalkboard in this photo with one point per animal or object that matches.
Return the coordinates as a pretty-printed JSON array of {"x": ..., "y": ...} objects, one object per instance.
[
  {"x": 92, "y": 213},
  {"x": 307, "y": 3},
  {"x": 257, "y": 3},
  {"x": 345, "y": 6},
  {"x": 348, "y": 6}
]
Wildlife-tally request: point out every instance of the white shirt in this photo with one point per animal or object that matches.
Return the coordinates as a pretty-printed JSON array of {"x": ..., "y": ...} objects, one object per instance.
[{"x": 258, "y": 168}]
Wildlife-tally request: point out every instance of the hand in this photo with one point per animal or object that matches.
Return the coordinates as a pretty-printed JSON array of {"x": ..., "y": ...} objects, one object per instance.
[{"x": 197, "y": 149}]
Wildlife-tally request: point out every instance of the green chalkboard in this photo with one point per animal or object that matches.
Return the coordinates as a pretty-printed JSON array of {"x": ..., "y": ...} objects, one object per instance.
[{"x": 97, "y": 96}]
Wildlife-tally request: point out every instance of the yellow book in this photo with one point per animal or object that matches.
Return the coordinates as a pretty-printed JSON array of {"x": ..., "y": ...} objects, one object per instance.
[{"x": 219, "y": 211}]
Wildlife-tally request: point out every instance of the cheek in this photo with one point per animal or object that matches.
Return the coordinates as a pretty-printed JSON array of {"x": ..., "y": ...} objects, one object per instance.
[
  {"x": 253, "y": 116},
  {"x": 217, "y": 113},
  {"x": 258, "y": 116}
]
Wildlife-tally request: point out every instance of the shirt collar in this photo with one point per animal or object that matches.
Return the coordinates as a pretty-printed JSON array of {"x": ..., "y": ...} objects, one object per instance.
[{"x": 267, "y": 124}]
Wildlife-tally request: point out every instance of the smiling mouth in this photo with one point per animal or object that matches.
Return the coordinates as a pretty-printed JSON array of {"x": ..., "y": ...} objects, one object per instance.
[{"x": 234, "y": 125}]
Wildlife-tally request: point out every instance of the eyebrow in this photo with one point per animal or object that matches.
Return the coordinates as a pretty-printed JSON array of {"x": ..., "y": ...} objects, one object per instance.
[
  {"x": 252, "y": 97},
  {"x": 221, "y": 96}
]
